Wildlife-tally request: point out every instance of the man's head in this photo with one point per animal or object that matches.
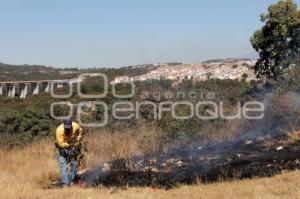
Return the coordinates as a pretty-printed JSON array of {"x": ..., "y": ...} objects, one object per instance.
[{"x": 68, "y": 125}]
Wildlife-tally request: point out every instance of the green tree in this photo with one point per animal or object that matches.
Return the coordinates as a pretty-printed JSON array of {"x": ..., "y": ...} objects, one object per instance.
[{"x": 278, "y": 41}]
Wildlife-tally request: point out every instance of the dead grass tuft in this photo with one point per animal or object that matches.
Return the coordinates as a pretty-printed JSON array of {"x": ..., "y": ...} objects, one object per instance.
[{"x": 293, "y": 135}]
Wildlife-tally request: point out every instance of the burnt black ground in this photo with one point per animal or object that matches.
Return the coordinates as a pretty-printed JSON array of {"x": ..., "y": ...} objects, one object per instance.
[{"x": 188, "y": 165}]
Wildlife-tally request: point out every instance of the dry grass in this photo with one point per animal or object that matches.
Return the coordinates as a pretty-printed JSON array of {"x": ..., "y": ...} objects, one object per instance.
[
  {"x": 113, "y": 146},
  {"x": 24, "y": 172},
  {"x": 293, "y": 135}
]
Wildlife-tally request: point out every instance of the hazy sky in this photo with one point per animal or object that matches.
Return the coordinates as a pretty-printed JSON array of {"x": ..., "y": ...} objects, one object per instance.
[{"x": 87, "y": 33}]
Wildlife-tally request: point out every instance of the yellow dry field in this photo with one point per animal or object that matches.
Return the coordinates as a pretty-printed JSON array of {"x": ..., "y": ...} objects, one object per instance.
[{"x": 24, "y": 172}]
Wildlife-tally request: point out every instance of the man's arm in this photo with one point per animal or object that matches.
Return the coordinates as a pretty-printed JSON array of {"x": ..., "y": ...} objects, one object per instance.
[{"x": 60, "y": 139}]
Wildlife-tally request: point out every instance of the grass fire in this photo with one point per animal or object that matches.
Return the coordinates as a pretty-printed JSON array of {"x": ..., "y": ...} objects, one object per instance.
[{"x": 159, "y": 118}]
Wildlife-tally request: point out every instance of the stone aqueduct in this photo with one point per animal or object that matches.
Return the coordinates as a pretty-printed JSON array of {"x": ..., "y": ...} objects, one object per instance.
[{"x": 22, "y": 89}]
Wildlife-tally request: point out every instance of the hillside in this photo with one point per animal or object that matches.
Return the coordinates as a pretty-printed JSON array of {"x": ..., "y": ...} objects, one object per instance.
[
  {"x": 26, "y": 72},
  {"x": 10, "y": 72},
  {"x": 26, "y": 171}
]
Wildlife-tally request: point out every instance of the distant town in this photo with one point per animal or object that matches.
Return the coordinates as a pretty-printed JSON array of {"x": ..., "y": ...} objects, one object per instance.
[{"x": 236, "y": 69}]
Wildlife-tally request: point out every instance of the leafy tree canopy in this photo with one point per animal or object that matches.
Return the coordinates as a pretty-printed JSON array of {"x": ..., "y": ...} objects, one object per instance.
[{"x": 278, "y": 41}]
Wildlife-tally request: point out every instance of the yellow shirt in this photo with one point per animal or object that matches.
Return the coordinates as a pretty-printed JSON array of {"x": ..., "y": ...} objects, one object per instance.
[{"x": 75, "y": 136}]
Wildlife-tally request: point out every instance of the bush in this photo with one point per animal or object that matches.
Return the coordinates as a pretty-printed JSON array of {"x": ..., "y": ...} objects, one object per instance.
[{"x": 25, "y": 126}]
